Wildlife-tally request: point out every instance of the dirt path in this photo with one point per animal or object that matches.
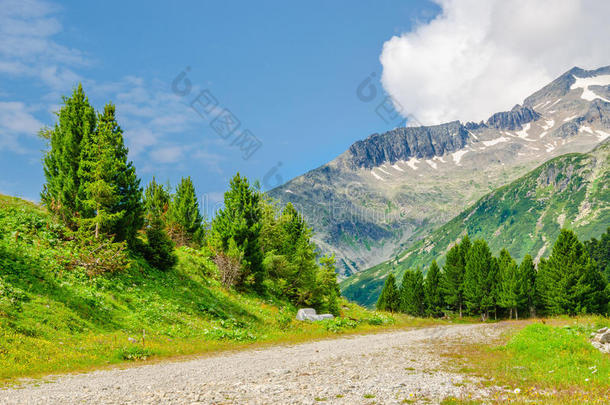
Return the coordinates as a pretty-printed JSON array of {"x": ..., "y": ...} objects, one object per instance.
[{"x": 378, "y": 368}]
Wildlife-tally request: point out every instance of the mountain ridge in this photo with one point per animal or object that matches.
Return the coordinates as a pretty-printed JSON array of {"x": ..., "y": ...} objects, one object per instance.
[
  {"x": 388, "y": 190},
  {"x": 524, "y": 216}
]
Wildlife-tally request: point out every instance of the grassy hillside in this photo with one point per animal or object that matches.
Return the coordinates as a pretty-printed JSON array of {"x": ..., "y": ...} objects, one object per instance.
[
  {"x": 525, "y": 216},
  {"x": 54, "y": 317}
]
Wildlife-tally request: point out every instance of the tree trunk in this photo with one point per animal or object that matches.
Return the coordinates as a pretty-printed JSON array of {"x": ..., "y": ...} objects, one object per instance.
[
  {"x": 460, "y": 310},
  {"x": 510, "y": 314},
  {"x": 516, "y": 313},
  {"x": 532, "y": 311}
]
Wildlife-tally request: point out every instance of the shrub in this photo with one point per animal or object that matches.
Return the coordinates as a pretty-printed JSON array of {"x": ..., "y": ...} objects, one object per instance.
[{"x": 135, "y": 353}]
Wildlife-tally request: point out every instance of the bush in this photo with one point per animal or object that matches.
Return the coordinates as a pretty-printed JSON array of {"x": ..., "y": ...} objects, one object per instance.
[
  {"x": 337, "y": 325},
  {"x": 229, "y": 265},
  {"x": 100, "y": 255},
  {"x": 159, "y": 252},
  {"x": 135, "y": 353}
]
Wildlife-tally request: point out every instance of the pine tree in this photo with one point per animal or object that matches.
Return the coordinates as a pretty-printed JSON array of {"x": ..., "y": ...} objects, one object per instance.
[
  {"x": 240, "y": 219},
  {"x": 434, "y": 297},
  {"x": 480, "y": 277},
  {"x": 509, "y": 286},
  {"x": 159, "y": 251},
  {"x": 328, "y": 288},
  {"x": 454, "y": 270},
  {"x": 184, "y": 216},
  {"x": 156, "y": 201},
  {"x": 109, "y": 194},
  {"x": 527, "y": 276},
  {"x": 126, "y": 181},
  {"x": 61, "y": 163},
  {"x": 389, "y": 300},
  {"x": 599, "y": 250},
  {"x": 412, "y": 294},
  {"x": 568, "y": 281}
]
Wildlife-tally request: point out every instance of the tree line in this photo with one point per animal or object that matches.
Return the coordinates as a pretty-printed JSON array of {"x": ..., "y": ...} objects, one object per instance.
[
  {"x": 572, "y": 280},
  {"x": 93, "y": 189}
]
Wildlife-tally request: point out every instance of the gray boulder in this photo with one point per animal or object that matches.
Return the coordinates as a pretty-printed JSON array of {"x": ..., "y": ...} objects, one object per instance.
[{"x": 309, "y": 314}]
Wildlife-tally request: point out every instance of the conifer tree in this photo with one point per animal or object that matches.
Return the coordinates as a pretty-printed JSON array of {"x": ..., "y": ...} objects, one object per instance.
[
  {"x": 184, "y": 216},
  {"x": 509, "y": 288},
  {"x": 328, "y": 288},
  {"x": 599, "y": 250},
  {"x": 159, "y": 251},
  {"x": 527, "y": 276},
  {"x": 412, "y": 294},
  {"x": 568, "y": 281},
  {"x": 389, "y": 299},
  {"x": 240, "y": 219},
  {"x": 109, "y": 194},
  {"x": 156, "y": 201},
  {"x": 434, "y": 297},
  {"x": 479, "y": 280},
  {"x": 454, "y": 270},
  {"x": 76, "y": 120}
]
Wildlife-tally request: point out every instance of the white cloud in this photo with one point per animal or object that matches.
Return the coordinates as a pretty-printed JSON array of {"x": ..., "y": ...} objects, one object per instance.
[
  {"x": 27, "y": 46},
  {"x": 482, "y": 56},
  {"x": 168, "y": 154},
  {"x": 16, "y": 120}
]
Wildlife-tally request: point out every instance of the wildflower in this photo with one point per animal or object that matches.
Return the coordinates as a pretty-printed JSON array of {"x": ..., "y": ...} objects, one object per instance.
[{"x": 517, "y": 391}]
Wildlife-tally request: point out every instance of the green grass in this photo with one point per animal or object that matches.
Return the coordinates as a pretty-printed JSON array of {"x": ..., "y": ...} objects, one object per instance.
[
  {"x": 551, "y": 363},
  {"x": 54, "y": 318}
]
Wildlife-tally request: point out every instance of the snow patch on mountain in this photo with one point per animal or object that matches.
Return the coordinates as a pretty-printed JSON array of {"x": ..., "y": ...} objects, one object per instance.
[{"x": 584, "y": 83}]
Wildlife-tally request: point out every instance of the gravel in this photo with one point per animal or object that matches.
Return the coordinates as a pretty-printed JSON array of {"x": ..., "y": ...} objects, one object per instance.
[{"x": 378, "y": 368}]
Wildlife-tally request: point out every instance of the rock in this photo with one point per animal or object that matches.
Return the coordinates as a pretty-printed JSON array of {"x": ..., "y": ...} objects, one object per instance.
[
  {"x": 602, "y": 330},
  {"x": 309, "y": 314},
  {"x": 304, "y": 314},
  {"x": 406, "y": 142},
  {"x": 604, "y": 337},
  {"x": 513, "y": 119}
]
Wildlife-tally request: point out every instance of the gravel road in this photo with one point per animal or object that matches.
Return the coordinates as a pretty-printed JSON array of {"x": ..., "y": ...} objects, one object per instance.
[{"x": 378, "y": 368}]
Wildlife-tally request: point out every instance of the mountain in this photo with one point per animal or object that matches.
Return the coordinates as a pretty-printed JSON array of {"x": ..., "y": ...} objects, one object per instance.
[
  {"x": 389, "y": 190},
  {"x": 525, "y": 216}
]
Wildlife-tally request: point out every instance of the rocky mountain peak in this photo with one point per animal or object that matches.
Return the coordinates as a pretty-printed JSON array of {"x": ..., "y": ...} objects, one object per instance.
[{"x": 407, "y": 142}]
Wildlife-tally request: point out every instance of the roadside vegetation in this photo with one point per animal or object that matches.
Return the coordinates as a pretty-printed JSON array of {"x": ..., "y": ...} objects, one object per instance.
[
  {"x": 106, "y": 271},
  {"x": 572, "y": 280},
  {"x": 541, "y": 362}
]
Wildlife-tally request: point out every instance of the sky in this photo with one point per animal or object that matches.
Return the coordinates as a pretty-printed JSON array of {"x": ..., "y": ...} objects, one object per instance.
[{"x": 272, "y": 89}]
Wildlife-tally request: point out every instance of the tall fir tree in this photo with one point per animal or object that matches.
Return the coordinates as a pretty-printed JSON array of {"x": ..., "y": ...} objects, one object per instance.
[
  {"x": 569, "y": 281},
  {"x": 240, "y": 219},
  {"x": 434, "y": 297},
  {"x": 159, "y": 250},
  {"x": 76, "y": 120},
  {"x": 412, "y": 293},
  {"x": 509, "y": 284},
  {"x": 454, "y": 270},
  {"x": 527, "y": 276},
  {"x": 480, "y": 278},
  {"x": 599, "y": 250},
  {"x": 156, "y": 201},
  {"x": 109, "y": 189},
  {"x": 185, "y": 219},
  {"x": 389, "y": 299}
]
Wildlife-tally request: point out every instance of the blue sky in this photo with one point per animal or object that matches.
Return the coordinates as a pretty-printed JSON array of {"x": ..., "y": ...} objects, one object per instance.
[{"x": 287, "y": 71}]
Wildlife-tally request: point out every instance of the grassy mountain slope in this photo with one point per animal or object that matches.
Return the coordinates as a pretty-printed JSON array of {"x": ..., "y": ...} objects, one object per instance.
[
  {"x": 54, "y": 317},
  {"x": 524, "y": 216}
]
